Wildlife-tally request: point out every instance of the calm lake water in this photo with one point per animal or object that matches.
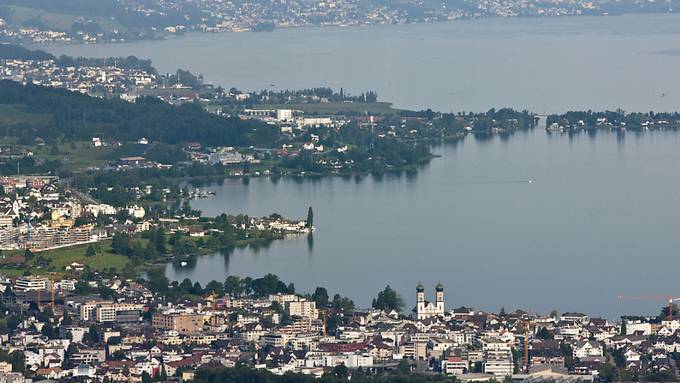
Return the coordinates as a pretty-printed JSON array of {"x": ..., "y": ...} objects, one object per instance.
[
  {"x": 545, "y": 65},
  {"x": 600, "y": 218}
]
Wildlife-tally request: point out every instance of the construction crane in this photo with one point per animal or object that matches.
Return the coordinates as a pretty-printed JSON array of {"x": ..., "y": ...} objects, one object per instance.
[
  {"x": 527, "y": 330},
  {"x": 324, "y": 318},
  {"x": 652, "y": 298},
  {"x": 52, "y": 294}
]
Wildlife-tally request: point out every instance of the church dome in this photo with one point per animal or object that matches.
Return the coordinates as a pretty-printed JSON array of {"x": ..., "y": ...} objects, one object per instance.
[
  {"x": 439, "y": 287},
  {"x": 420, "y": 288}
]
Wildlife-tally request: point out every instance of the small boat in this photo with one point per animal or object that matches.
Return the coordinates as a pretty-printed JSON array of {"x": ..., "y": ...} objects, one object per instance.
[{"x": 183, "y": 263}]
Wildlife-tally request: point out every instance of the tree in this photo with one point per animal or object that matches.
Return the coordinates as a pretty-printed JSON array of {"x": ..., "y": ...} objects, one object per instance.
[
  {"x": 196, "y": 289},
  {"x": 66, "y": 319},
  {"x": 664, "y": 312},
  {"x": 310, "y": 217},
  {"x": 568, "y": 353},
  {"x": 93, "y": 334},
  {"x": 276, "y": 307},
  {"x": 216, "y": 287},
  {"x": 120, "y": 244},
  {"x": 403, "y": 367},
  {"x": 320, "y": 296},
  {"x": 18, "y": 361},
  {"x": 90, "y": 252},
  {"x": 160, "y": 241},
  {"x": 340, "y": 372},
  {"x": 388, "y": 300},
  {"x": 342, "y": 303},
  {"x": 232, "y": 286},
  {"x": 185, "y": 286}
]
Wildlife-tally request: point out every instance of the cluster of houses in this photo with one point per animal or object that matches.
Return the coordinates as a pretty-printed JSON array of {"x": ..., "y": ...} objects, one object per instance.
[
  {"x": 37, "y": 214},
  {"x": 103, "y": 80},
  {"x": 31, "y": 34},
  {"x": 648, "y": 123},
  {"x": 134, "y": 332}
]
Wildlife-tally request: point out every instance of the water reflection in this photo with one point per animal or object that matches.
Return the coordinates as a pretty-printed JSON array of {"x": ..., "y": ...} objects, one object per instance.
[
  {"x": 392, "y": 229},
  {"x": 310, "y": 243}
]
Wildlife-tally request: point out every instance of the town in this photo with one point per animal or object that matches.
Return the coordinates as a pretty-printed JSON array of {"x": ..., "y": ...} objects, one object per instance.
[
  {"x": 125, "y": 20},
  {"x": 101, "y": 327},
  {"x": 39, "y": 213}
]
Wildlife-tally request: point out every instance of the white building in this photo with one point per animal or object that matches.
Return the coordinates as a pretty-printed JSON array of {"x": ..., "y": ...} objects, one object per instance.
[
  {"x": 31, "y": 283},
  {"x": 455, "y": 366},
  {"x": 425, "y": 309},
  {"x": 284, "y": 114},
  {"x": 136, "y": 211},
  {"x": 498, "y": 362},
  {"x": 586, "y": 348},
  {"x": 304, "y": 309}
]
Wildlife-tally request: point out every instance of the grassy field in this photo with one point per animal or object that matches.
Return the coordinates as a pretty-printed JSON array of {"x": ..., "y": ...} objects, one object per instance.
[
  {"x": 336, "y": 107},
  {"x": 81, "y": 154},
  {"x": 60, "y": 258},
  {"x": 12, "y": 114},
  {"x": 77, "y": 156}
]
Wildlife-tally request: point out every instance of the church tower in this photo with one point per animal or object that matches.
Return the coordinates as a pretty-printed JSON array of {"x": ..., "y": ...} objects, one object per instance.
[
  {"x": 420, "y": 298},
  {"x": 440, "y": 298}
]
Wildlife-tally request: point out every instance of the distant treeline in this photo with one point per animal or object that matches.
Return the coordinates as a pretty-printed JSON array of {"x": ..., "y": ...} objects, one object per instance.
[
  {"x": 335, "y": 375},
  {"x": 631, "y": 120},
  {"x": 286, "y": 96},
  {"x": 79, "y": 117},
  {"x": 17, "y": 52}
]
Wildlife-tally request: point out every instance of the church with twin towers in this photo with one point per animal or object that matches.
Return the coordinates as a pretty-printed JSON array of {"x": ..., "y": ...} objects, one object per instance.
[{"x": 425, "y": 309}]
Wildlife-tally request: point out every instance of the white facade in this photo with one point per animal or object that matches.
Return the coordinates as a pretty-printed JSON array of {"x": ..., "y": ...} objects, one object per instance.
[
  {"x": 304, "y": 309},
  {"x": 425, "y": 309},
  {"x": 455, "y": 366},
  {"x": 583, "y": 349},
  {"x": 284, "y": 114},
  {"x": 31, "y": 283}
]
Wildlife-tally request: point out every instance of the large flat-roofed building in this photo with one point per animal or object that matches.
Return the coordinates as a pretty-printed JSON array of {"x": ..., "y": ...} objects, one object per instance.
[
  {"x": 31, "y": 283},
  {"x": 304, "y": 309},
  {"x": 182, "y": 322},
  {"x": 110, "y": 312}
]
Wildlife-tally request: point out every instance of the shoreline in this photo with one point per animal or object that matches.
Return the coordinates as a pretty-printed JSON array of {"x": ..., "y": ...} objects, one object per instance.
[{"x": 490, "y": 18}]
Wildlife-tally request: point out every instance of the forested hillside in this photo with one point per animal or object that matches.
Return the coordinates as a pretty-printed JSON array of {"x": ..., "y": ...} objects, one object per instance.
[{"x": 32, "y": 111}]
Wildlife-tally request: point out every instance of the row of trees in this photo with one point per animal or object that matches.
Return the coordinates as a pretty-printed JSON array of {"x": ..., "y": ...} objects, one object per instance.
[
  {"x": 632, "y": 120},
  {"x": 336, "y": 375}
]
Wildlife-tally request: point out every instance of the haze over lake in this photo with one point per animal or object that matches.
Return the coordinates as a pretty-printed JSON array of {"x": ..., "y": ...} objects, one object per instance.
[
  {"x": 600, "y": 218},
  {"x": 545, "y": 65}
]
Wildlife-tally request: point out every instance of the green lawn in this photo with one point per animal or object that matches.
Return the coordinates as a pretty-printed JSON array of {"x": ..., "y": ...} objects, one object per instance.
[
  {"x": 80, "y": 155},
  {"x": 60, "y": 258}
]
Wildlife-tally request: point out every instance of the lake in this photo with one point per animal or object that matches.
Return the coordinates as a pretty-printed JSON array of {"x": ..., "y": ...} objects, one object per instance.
[
  {"x": 545, "y": 65},
  {"x": 600, "y": 218}
]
